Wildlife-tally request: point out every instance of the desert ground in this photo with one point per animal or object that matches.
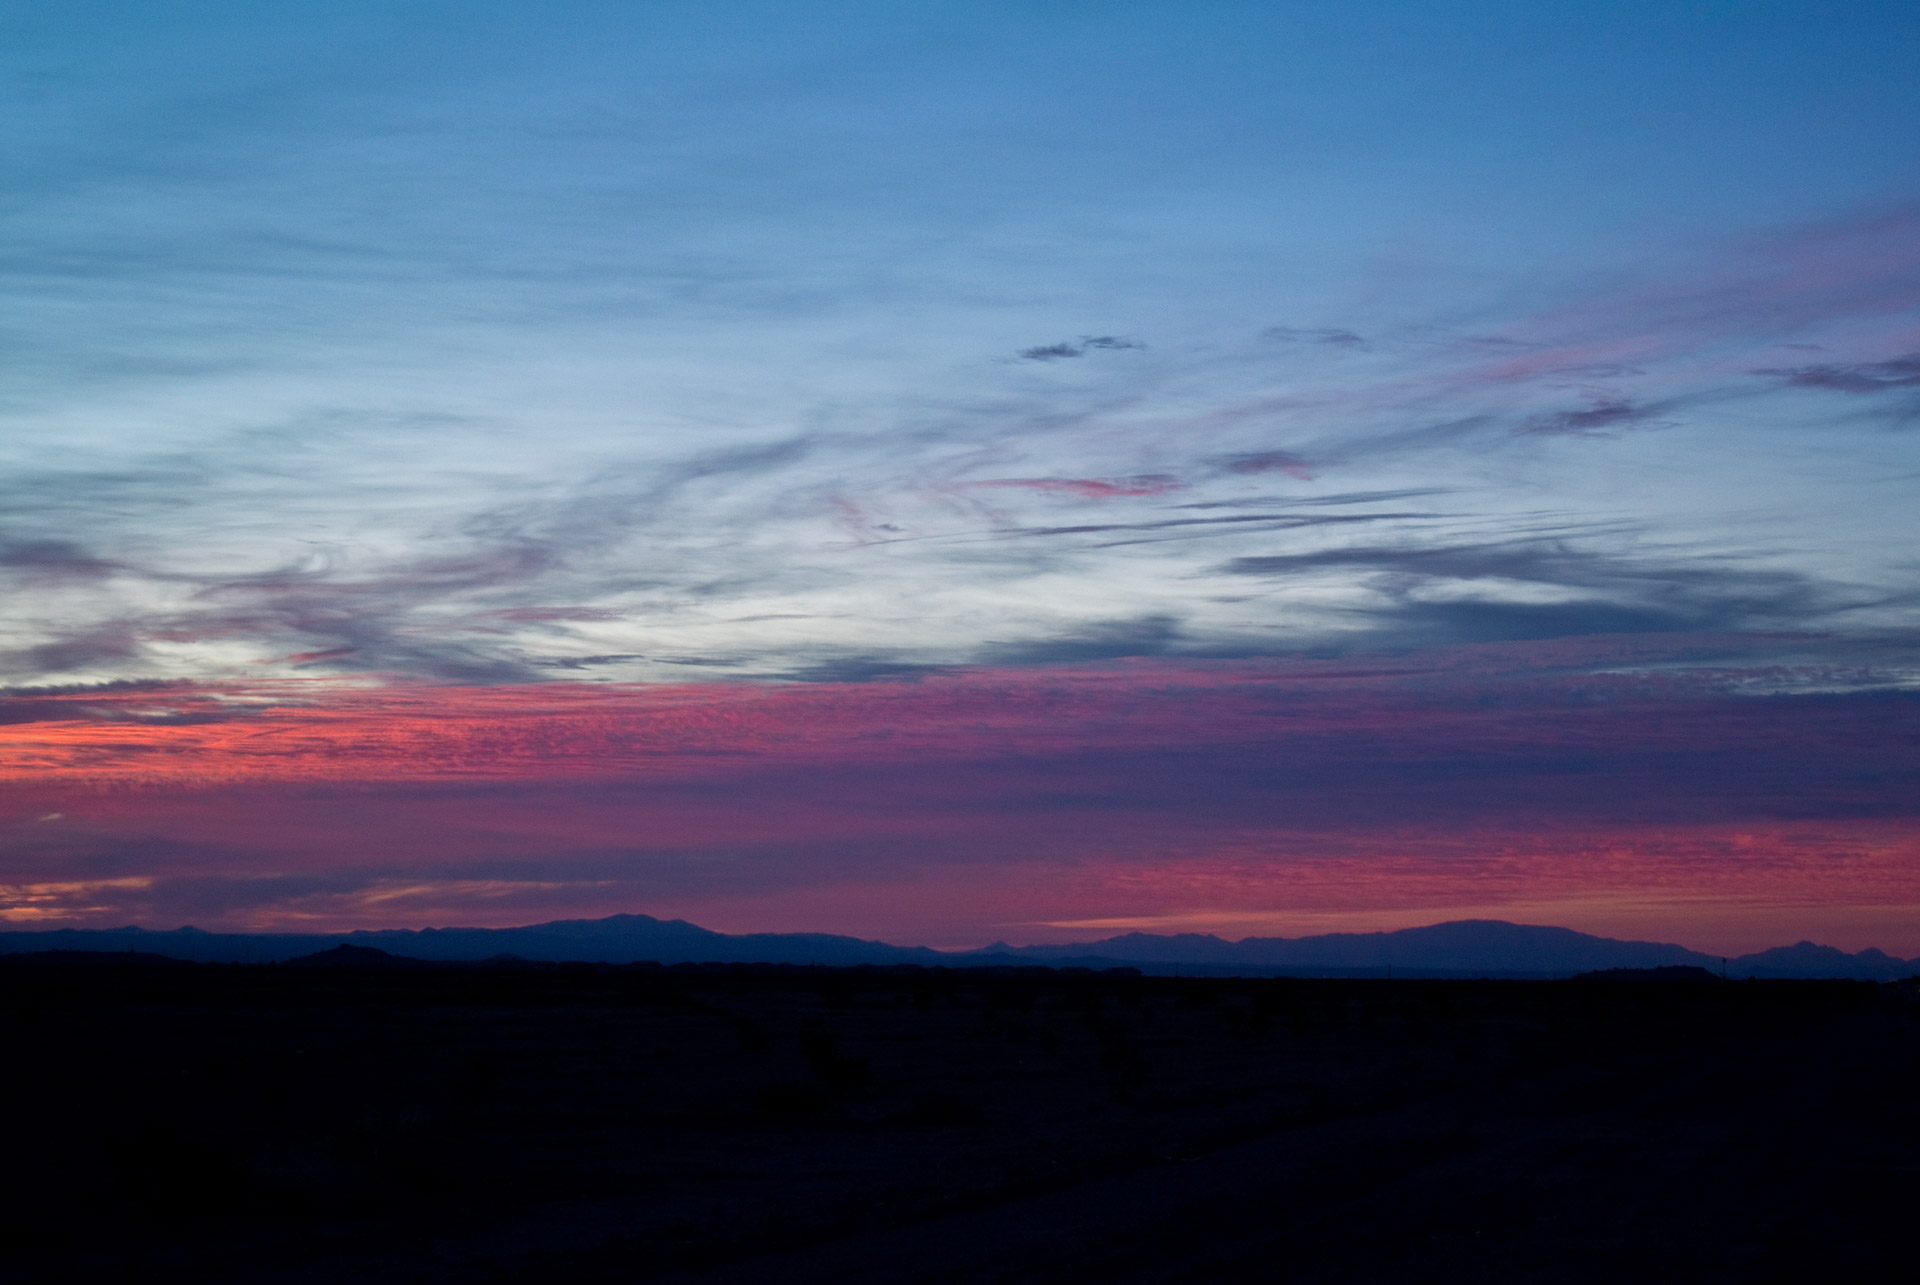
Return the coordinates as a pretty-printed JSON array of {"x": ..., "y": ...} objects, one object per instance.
[{"x": 372, "y": 1121}]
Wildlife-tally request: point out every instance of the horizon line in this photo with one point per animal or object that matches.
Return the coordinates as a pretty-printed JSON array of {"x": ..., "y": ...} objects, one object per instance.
[{"x": 12, "y": 927}]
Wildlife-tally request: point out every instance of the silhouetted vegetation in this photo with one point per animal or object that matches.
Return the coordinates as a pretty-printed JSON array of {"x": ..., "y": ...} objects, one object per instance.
[{"x": 370, "y": 1121}]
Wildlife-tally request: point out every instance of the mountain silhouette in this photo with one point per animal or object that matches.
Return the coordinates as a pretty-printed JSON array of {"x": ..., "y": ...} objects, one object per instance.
[
  {"x": 1460, "y": 948},
  {"x": 1468, "y": 945},
  {"x": 1804, "y": 959},
  {"x": 345, "y": 956},
  {"x": 1668, "y": 973}
]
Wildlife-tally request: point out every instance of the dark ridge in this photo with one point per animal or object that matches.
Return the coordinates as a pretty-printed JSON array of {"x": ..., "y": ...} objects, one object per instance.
[
  {"x": 348, "y": 956},
  {"x": 1683, "y": 973},
  {"x": 95, "y": 959},
  {"x": 1462, "y": 949}
]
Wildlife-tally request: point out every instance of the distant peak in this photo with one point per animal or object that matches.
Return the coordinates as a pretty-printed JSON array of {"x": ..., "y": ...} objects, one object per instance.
[{"x": 346, "y": 955}]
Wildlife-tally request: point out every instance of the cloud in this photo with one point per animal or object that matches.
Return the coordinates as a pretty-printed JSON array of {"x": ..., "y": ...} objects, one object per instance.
[
  {"x": 1088, "y": 343},
  {"x": 16, "y": 712},
  {"x": 1315, "y": 335},
  {"x": 49, "y": 562},
  {"x": 1579, "y": 767},
  {"x": 555, "y": 614},
  {"x": 1862, "y": 377},
  {"x": 317, "y": 657},
  {"x": 118, "y": 687},
  {"x": 1087, "y": 488},
  {"x": 81, "y": 650},
  {"x": 1470, "y": 621},
  {"x": 1239, "y": 522},
  {"x": 1546, "y": 588},
  {"x": 26, "y": 903},
  {"x": 864, "y": 669},
  {"x": 1333, "y": 500},
  {"x": 1156, "y": 635},
  {"x": 147, "y": 704},
  {"x": 1794, "y": 282},
  {"x": 457, "y": 548},
  {"x": 1271, "y": 462},
  {"x": 1598, "y": 360},
  {"x": 587, "y": 662},
  {"x": 1605, "y": 414}
]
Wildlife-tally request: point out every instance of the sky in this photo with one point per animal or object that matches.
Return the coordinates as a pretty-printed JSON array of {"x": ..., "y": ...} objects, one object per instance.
[{"x": 962, "y": 472}]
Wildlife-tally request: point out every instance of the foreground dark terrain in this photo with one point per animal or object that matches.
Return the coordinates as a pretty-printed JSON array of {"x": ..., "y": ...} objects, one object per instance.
[{"x": 584, "y": 1124}]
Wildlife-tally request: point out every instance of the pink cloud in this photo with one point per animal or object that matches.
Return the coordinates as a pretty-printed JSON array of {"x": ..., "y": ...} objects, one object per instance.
[{"x": 1576, "y": 775}]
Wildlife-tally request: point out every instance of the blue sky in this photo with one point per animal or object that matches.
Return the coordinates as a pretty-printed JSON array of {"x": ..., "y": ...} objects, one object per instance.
[{"x": 351, "y": 331}]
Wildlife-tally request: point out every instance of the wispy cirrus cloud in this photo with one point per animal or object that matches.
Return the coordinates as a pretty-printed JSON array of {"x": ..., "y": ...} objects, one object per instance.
[
  {"x": 1085, "y": 488},
  {"x": 1858, "y": 377},
  {"x": 1272, "y": 462},
  {"x": 486, "y": 520},
  {"x": 1315, "y": 335},
  {"x": 1605, "y": 415},
  {"x": 1548, "y": 587},
  {"x": 1086, "y": 344}
]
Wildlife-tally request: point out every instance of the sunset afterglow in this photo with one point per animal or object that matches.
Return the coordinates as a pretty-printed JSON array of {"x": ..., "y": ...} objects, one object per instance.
[{"x": 962, "y": 473}]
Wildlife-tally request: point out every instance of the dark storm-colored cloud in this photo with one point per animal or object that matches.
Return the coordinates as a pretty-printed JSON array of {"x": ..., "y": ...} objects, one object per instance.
[{"x": 1861, "y": 377}]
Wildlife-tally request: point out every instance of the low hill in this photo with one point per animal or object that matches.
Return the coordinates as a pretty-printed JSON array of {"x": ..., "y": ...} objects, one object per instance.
[{"x": 1462, "y": 948}]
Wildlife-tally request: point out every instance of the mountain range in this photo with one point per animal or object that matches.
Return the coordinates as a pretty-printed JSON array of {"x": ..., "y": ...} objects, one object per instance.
[{"x": 1463, "y": 948}]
